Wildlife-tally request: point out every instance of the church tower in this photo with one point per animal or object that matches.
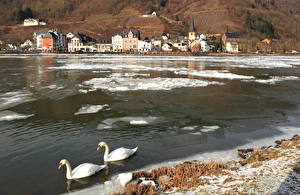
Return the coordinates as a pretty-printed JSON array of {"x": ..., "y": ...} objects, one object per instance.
[{"x": 192, "y": 33}]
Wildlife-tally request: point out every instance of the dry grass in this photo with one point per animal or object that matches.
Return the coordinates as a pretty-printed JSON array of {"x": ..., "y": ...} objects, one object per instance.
[
  {"x": 183, "y": 176},
  {"x": 189, "y": 175}
]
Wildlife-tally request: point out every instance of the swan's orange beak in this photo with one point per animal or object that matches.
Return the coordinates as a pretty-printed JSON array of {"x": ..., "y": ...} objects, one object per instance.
[
  {"x": 99, "y": 148},
  {"x": 59, "y": 165}
]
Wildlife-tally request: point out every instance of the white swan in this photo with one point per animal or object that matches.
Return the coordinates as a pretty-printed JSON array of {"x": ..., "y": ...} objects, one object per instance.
[
  {"x": 81, "y": 171},
  {"x": 117, "y": 154}
]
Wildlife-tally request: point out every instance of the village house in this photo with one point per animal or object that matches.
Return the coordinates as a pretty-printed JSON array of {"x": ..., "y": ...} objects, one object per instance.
[
  {"x": 33, "y": 22},
  {"x": 27, "y": 45},
  {"x": 37, "y": 37},
  {"x": 270, "y": 46},
  {"x": 233, "y": 42},
  {"x": 156, "y": 43},
  {"x": 61, "y": 42},
  {"x": 179, "y": 43},
  {"x": 130, "y": 40},
  {"x": 49, "y": 42},
  {"x": 11, "y": 47},
  {"x": 81, "y": 43},
  {"x": 144, "y": 46},
  {"x": 117, "y": 43},
  {"x": 70, "y": 35},
  {"x": 232, "y": 47},
  {"x": 167, "y": 47},
  {"x": 165, "y": 36},
  {"x": 104, "y": 45},
  {"x": 200, "y": 45}
]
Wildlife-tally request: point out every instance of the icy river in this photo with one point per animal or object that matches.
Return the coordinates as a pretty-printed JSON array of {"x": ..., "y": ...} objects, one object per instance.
[{"x": 55, "y": 107}]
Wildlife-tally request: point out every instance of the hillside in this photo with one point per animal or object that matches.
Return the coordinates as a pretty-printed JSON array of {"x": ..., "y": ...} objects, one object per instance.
[{"x": 260, "y": 18}]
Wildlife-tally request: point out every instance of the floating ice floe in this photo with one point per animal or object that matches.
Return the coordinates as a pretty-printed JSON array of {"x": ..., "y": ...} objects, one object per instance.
[
  {"x": 275, "y": 79},
  {"x": 134, "y": 121},
  {"x": 11, "y": 99},
  {"x": 54, "y": 87},
  {"x": 189, "y": 128},
  {"x": 138, "y": 122},
  {"x": 88, "y": 109},
  {"x": 128, "y": 74},
  {"x": 219, "y": 74},
  {"x": 10, "y": 115},
  {"x": 206, "y": 129},
  {"x": 106, "y": 67},
  {"x": 130, "y": 84},
  {"x": 264, "y": 62}
]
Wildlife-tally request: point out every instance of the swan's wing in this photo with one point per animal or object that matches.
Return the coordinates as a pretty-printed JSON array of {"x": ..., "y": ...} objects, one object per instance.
[
  {"x": 85, "y": 170},
  {"x": 121, "y": 154}
]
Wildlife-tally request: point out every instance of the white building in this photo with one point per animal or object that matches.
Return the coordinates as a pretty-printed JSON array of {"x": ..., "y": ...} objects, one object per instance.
[
  {"x": 104, "y": 45},
  {"x": 27, "y": 45},
  {"x": 70, "y": 35},
  {"x": 38, "y": 38},
  {"x": 144, "y": 46},
  {"x": 165, "y": 36},
  {"x": 232, "y": 47},
  {"x": 204, "y": 46},
  {"x": 81, "y": 43},
  {"x": 181, "y": 46},
  {"x": 33, "y": 22},
  {"x": 167, "y": 47},
  {"x": 117, "y": 43}
]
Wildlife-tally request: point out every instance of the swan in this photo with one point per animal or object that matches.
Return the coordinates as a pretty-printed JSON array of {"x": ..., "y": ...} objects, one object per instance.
[
  {"x": 81, "y": 171},
  {"x": 117, "y": 154}
]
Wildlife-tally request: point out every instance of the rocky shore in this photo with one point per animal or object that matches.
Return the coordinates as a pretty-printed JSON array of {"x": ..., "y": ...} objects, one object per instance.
[{"x": 268, "y": 170}]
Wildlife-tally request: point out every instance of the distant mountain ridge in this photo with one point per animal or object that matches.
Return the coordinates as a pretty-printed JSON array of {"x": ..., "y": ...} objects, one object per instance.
[{"x": 259, "y": 18}]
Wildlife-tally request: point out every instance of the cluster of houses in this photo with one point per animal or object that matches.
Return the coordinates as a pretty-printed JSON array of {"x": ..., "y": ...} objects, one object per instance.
[{"x": 129, "y": 41}]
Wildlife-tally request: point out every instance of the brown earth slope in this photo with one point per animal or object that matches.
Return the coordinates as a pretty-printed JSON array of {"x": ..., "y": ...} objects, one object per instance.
[{"x": 104, "y": 17}]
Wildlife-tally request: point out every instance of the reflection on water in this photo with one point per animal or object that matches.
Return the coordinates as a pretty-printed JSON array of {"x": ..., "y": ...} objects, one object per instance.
[
  {"x": 53, "y": 114},
  {"x": 102, "y": 176}
]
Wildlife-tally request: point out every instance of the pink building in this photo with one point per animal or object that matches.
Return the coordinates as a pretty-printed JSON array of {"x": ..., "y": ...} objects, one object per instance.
[{"x": 130, "y": 40}]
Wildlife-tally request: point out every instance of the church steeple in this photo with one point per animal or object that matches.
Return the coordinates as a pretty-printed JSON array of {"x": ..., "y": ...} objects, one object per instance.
[
  {"x": 192, "y": 31},
  {"x": 192, "y": 25}
]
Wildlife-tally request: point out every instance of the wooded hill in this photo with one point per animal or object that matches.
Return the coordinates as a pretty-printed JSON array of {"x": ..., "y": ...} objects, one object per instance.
[{"x": 260, "y": 18}]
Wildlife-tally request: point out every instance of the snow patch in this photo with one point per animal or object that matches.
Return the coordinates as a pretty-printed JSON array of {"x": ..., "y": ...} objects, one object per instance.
[
  {"x": 88, "y": 109},
  {"x": 9, "y": 116},
  {"x": 130, "y": 84},
  {"x": 134, "y": 121},
  {"x": 275, "y": 79},
  {"x": 219, "y": 74},
  {"x": 11, "y": 99}
]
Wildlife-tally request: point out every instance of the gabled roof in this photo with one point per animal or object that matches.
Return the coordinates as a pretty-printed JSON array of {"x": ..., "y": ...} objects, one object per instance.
[
  {"x": 50, "y": 35},
  {"x": 41, "y": 32},
  {"x": 234, "y": 35},
  {"x": 84, "y": 38},
  {"x": 135, "y": 32},
  {"x": 104, "y": 40},
  {"x": 118, "y": 33}
]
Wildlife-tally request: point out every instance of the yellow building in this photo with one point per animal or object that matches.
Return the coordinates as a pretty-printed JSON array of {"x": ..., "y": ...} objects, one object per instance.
[{"x": 192, "y": 32}]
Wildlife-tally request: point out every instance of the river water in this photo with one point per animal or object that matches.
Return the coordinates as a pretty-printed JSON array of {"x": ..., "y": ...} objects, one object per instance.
[{"x": 55, "y": 107}]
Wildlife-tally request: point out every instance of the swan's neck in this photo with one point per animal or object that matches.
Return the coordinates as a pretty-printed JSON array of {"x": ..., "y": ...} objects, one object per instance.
[
  {"x": 106, "y": 152},
  {"x": 69, "y": 170}
]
